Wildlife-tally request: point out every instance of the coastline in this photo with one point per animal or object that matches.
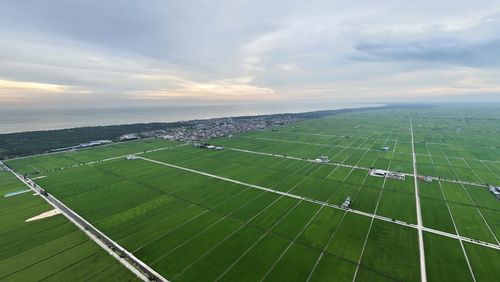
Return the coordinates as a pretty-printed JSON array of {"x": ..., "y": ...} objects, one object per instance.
[
  {"x": 21, "y": 144},
  {"x": 44, "y": 119}
]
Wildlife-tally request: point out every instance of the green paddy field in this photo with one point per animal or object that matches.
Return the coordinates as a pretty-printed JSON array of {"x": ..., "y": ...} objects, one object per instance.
[{"x": 263, "y": 210}]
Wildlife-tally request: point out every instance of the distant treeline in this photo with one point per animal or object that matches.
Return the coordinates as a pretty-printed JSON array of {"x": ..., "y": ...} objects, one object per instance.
[{"x": 37, "y": 142}]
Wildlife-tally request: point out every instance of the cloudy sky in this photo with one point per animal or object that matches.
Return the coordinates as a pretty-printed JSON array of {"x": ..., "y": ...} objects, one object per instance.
[{"x": 148, "y": 52}]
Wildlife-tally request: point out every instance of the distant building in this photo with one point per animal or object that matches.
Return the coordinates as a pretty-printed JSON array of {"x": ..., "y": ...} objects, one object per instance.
[
  {"x": 322, "y": 159},
  {"x": 385, "y": 173},
  {"x": 385, "y": 148},
  {"x": 127, "y": 137},
  {"x": 496, "y": 191},
  {"x": 396, "y": 175},
  {"x": 131, "y": 157},
  {"x": 378, "y": 172},
  {"x": 347, "y": 203},
  {"x": 208, "y": 146}
]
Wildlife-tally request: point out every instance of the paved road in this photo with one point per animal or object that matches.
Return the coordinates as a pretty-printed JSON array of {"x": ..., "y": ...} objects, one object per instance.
[
  {"x": 135, "y": 265},
  {"x": 318, "y": 202},
  {"x": 423, "y": 272}
]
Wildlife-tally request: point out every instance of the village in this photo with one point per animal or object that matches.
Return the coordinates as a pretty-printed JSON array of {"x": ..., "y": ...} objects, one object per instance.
[{"x": 201, "y": 130}]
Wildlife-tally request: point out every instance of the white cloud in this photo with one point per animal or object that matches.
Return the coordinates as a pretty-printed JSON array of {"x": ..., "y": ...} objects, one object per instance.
[
  {"x": 126, "y": 52},
  {"x": 289, "y": 67},
  {"x": 234, "y": 90}
]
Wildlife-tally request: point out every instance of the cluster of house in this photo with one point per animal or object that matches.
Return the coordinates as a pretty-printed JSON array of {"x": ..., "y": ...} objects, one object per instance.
[
  {"x": 208, "y": 146},
  {"x": 200, "y": 130},
  {"x": 386, "y": 173}
]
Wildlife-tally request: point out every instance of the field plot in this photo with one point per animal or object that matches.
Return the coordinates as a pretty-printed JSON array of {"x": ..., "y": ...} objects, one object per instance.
[
  {"x": 50, "y": 162},
  {"x": 48, "y": 248},
  {"x": 267, "y": 207}
]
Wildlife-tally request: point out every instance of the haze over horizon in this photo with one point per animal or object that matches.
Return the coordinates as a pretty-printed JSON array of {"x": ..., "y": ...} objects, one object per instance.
[{"x": 129, "y": 53}]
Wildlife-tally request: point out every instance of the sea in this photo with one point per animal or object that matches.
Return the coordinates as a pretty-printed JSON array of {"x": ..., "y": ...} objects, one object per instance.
[{"x": 34, "y": 119}]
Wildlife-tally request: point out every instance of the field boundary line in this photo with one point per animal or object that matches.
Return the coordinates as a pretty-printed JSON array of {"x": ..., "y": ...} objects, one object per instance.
[
  {"x": 326, "y": 247},
  {"x": 453, "y": 221},
  {"x": 470, "y": 198},
  {"x": 77, "y": 164},
  {"x": 75, "y": 149},
  {"x": 376, "y": 206},
  {"x": 327, "y": 135},
  {"x": 136, "y": 266},
  {"x": 291, "y": 243},
  {"x": 482, "y": 185},
  {"x": 318, "y": 202},
  {"x": 370, "y": 228},
  {"x": 243, "y": 225},
  {"x": 456, "y": 230},
  {"x": 257, "y": 241}
]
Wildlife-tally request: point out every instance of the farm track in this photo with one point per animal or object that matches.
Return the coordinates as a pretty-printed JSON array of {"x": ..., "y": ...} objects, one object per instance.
[
  {"x": 136, "y": 266},
  {"x": 298, "y": 197}
]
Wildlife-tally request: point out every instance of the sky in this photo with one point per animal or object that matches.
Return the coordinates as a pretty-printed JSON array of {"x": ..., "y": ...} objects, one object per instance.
[{"x": 96, "y": 53}]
